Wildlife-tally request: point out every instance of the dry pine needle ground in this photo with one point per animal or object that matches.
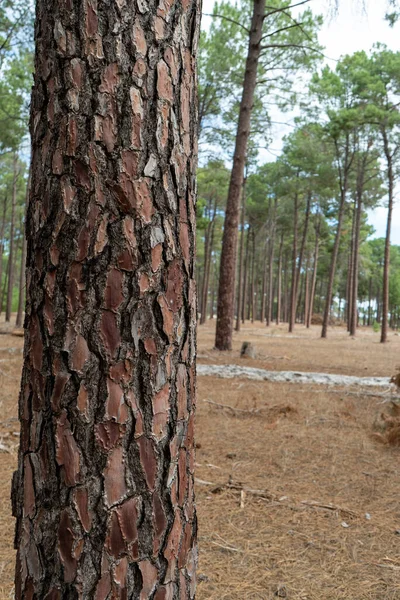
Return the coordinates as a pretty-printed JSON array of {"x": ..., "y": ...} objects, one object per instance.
[{"x": 296, "y": 499}]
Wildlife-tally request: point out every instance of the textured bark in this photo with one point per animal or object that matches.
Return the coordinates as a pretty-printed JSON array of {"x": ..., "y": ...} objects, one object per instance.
[
  {"x": 103, "y": 494},
  {"x": 227, "y": 277},
  {"x": 241, "y": 254},
  {"x": 10, "y": 285}
]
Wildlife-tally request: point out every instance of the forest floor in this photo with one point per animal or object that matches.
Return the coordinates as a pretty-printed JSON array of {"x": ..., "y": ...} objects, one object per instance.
[{"x": 296, "y": 498}]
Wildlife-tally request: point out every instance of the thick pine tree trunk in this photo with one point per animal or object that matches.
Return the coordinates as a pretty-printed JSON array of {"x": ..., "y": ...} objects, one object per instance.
[
  {"x": 103, "y": 494},
  {"x": 241, "y": 258},
  {"x": 227, "y": 277},
  {"x": 386, "y": 265},
  {"x": 10, "y": 286}
]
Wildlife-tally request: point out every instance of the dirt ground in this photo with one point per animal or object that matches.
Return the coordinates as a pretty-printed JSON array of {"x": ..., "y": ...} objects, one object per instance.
[{"x": 296, "y": 499}]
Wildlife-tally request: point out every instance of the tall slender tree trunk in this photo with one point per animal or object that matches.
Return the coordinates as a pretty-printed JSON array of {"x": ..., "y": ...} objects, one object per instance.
[
  {"x": 350, "y": 275},
  {"x": 253, "y": 279},
  {"x": 286, "y": 289},
  {"x": 303, "y": 248},
  {"x": 10, "y": 288},
  {"x": 5, "y": 286},
  {"x": 2, "y": 231},
  {"x": 214, "y": 284},
  {"x": 354, "y": 315},
  {"x": 264, "y": 284},
  {"x": 279, "y": 292},
  {"x": 314, "y": 277},
  {"x": 344, "y": 175},
  {"x": 369, "y": 302},
  {"x": 271, "y": 267},
  {"x": 103, "y": 494},
  {"x": 245, "y": 276},
  {"x": 307, "y": 292},
  {"x": 207, "y": 264},
  {"x": 21, "y": 296},
  {"x": 226, "y": 293},
  {"x": 293, "y": 292},
  {"x": 386, "y": 265},
  {"x": 22, "y": 282},
  {"x": 241, "y": 259}
]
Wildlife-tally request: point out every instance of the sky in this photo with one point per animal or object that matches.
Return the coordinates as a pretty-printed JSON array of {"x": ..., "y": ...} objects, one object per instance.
[{"x": 352, "y": 28}]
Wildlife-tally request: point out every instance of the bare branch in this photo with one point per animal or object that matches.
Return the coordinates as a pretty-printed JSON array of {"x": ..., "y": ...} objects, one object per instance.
[{"x": 227, "y": 19}]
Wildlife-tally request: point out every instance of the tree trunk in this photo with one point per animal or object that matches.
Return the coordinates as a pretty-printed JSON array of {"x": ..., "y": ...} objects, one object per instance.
[
  {"x": 271, "y": 268},
  {"x": 21, "y": 296},
  {"x": 213, "y": 294},
  {"x": 264, "y": 284},
  {"x": 369, "y": 302},
  {"x": 245, "y": 276},
  {"x": 303, "y": 248},
  {"x": 344, "y": 174},
  {"x": 22, "y": 282},
  {"x": 207, "y": 264},
  {"x": 286, "y": 289},
  {"x": 2, "y": 230},
  {"x": 10, "y": 287},
  {"x": 350, "y": 281},
  {"x": 241, "y": 256},
  {"x": 354, "y": 315},
  {"x": 103, "y": 494},
  {"x": 278, "y": 307},
  {"x": 293, "y": 293},
  {"x": 223, "y": 336},
  {"x": 386, "y": 265},
  {"x": 5, "y": 286},
  {"x": 307, "y": 292},
  {"x": 253, "y": 279}
]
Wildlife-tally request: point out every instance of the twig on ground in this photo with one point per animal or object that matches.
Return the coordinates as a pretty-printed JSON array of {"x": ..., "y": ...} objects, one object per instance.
[{"x": 332, "y": 507}]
